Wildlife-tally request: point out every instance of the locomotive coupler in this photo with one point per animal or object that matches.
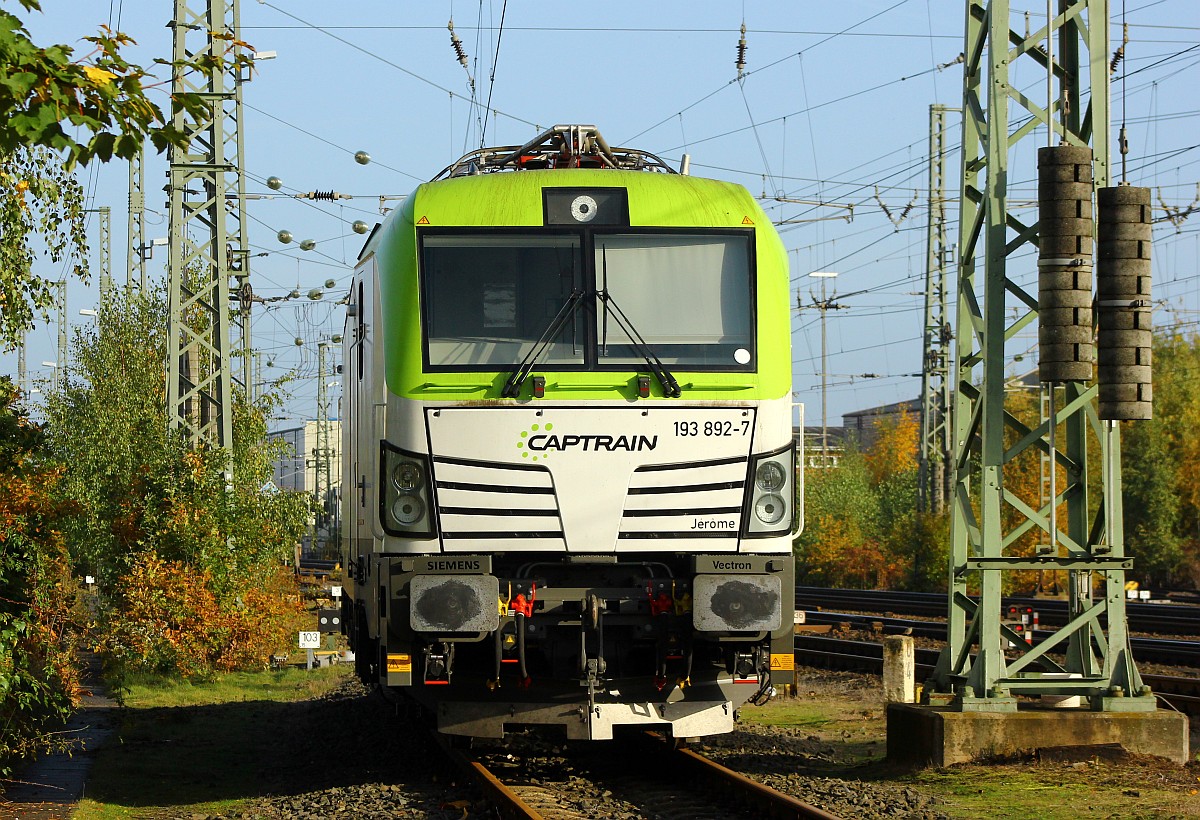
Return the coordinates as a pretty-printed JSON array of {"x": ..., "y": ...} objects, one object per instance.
[{"x": 591, "y": 643}]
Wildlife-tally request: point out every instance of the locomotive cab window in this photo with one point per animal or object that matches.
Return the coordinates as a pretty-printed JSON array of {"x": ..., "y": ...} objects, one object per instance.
[
  {"x": 687, "y": 296},
  {"x": 490, "y": 298}
]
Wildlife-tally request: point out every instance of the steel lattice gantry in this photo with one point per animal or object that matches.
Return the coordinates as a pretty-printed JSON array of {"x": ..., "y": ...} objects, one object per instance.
[
  {"x": 105, "y": 251},
  {"x": 996, "y": 257},
  {"x": 207, "y": 243},
  {"x": 135, "y": 271},
  {"x": 934, "y": 456}
]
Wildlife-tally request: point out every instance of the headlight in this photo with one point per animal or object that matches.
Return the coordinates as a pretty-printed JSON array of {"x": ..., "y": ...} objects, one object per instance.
[
  {"x": 407, "y": 476},
  {"x": 770, "y": 508},
  {"x": 408, "y": 509},
  {"x": 770, "y": 476}
]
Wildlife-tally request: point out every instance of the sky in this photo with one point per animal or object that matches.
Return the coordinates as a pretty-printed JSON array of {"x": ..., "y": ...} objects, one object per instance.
[{"x": 832, "y": 107}]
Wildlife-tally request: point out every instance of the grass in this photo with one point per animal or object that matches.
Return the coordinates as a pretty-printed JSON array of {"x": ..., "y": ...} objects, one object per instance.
[
  {"x": 1050, "y": 792},
  {"x": 284, "y": 686},
  {"x": 852, "y": 722},
  {"x": 200, "y": 748}
]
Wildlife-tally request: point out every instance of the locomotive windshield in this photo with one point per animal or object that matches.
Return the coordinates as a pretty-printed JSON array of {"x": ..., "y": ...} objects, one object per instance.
[
  {"x": 687, "y": 298},
  {"x": 489, "y": 298}
]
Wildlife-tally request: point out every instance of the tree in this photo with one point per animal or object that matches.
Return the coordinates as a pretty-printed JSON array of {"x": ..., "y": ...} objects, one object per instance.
[
  {"x": 38, "y": 679},
  {"x": 46, "y": 95},
  {"x": 862, "y": 527},
  {"x": 189, "y": 561},
  {"x": 1161, "y": 459},
  {"x": 101, "y": 95}
]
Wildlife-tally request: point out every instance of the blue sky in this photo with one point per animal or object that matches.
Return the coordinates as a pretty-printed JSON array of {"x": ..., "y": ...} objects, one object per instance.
[{"x": 833, "y": 107}]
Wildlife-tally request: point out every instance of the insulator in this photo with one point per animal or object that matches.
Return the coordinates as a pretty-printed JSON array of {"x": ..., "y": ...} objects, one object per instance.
[
  {"x": 458, "y": 46},
  {"x": 274, "y": 183},
  {"x": 284, "y": 236},
  {"x": 362, "y": 157},
  {"x": 1125, "y": 334},
  {"x": 360, "y": 226},
  {"x": 741, "y": 52},
  {"x": 1065, "y": 351}
]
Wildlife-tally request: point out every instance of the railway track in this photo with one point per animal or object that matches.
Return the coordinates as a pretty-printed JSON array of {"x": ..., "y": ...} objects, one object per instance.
[
  {"x": 643, "y": 777},
  {"x": 1180, "y": 693},
  {"x": 1170, "y": 651},
  {"x": 1173, "y": 618}
]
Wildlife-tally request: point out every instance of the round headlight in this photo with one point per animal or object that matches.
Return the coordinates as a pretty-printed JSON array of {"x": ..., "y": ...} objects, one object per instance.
[
  {"x": 407, "y": 476},
  {"x": 770, "y": 476},
  {"x": 770, "y": 508},
  {"x": 408, "y": 509}
]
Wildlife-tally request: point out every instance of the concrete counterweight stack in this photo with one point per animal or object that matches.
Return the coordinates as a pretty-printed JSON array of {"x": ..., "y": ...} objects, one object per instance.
[
  {"x": 1065, "y": 264},
  {"x": 1123, "y": 303}
]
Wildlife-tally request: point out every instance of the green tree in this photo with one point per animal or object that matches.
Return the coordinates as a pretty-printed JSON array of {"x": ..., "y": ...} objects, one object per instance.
[
  {"x": 153, "y": 510},
  {"x": 59, "y": 110},
  {"x": 1161, "y": 460}
]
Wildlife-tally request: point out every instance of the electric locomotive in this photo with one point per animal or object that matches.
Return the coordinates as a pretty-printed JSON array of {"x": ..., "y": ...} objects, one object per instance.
[{"x": 570, "y": 481}]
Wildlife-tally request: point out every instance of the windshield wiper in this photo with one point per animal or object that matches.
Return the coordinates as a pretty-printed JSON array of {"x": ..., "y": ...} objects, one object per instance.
[
  {"x": 512, "y": 388},
  {"x": 669, "y": 385}
]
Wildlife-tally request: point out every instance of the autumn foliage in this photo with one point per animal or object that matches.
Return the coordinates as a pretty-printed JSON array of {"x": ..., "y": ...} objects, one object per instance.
[
  {"x": 38, "y": 633},
  {"x": 188, "y": 558},
  {"x": 165, "y": 618},
  {"x": 862, "y": 529}
]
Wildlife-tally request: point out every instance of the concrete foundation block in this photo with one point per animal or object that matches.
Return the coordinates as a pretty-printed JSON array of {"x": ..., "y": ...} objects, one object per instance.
[{"x": 943, "y": 736}]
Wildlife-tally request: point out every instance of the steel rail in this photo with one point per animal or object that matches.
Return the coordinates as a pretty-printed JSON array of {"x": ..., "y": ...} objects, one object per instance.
[
  {"x": 507, "y": 803},
  {"x": 767, "y": 800}
]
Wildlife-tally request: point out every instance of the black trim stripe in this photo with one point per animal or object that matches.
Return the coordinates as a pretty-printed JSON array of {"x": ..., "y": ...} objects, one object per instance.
[
  {"x": 666, "y": 536},
  {"x": 466, "y": 536},
  {"x": 694, "y": 488},
  {"x": 698, "y": 512},
  {"x": 506, "y": 511},
  {"x": 690, "y": 465},
  {"x": 494, "y": 488},
  {"x": 491, "y": 465}
]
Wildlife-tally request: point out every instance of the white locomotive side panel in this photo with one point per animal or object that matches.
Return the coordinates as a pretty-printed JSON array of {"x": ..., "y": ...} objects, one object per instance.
[{"x": 591, "y": 480}]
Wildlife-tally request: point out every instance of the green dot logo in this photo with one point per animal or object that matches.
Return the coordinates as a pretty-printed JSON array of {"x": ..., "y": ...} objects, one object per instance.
[{"x": 523, "y": 441}]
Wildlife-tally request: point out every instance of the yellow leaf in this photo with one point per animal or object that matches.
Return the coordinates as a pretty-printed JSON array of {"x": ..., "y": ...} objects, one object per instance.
[{"x": 98, "y": 75}]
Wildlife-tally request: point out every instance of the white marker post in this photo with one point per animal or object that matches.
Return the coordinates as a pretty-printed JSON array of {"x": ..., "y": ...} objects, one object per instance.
[{"x": 310, "y": 641}]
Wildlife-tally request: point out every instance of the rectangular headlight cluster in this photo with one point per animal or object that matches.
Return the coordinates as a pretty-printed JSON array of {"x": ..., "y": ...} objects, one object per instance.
[
  {"x": 771, "y": 495},
  {"x": 404, "y": 498}
]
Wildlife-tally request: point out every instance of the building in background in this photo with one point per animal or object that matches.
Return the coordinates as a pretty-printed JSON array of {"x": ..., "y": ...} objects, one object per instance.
[{"x": 307, "y": 467}]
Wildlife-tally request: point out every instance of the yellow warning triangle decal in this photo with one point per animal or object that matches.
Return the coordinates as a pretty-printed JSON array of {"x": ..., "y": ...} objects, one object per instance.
[
  {"x": 423, "y": 220},
  {"x": 747, "y": 220}
]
